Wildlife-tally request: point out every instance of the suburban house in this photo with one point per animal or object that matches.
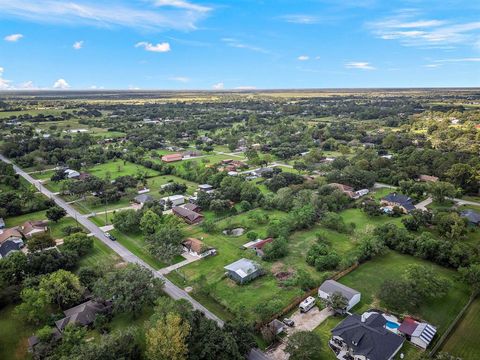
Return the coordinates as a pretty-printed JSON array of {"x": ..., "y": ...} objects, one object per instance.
[
  {"x": 10, "y": 240},
  {"x": 71, "y": 174},
  {"x": 174, "y": 200},
  {"x": 205, "y": 187},
  {"x": 427, "y": 178},
  {"x": 399, "y": 200},
  {"x": 418, "y": 333},
  {"x": 262, "y": 171},
  {"x": 142, "y": 199},
  {"x": 350, "y": 191},
  {"x": 365, "y": 337},
  {"x": 257, "y": 245},
  {"x": 191, "y": 153},
  {"x": 473, "y": 217},
  {"x": 30, "y": 228},
  {"x": 83, "y": 314},
  {"x": 196, "y": 247},
  {"x": 191, "y": 217},
  {"x": 192, "y": 207},
  {"x": 172, "y": 157},
  {"x": 243, "y": 271},
  {"x": 330, "y": 287},
  {"x": 2, "y": 223}
]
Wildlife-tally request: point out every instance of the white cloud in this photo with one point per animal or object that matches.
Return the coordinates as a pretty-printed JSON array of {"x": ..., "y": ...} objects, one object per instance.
[
  {"x": 27, "y": 85},
  {"x": 77, "y": 45},
  {"x": 359, "y": 65},
  {"x": 1, "y": 70},
  {"x": 13, "y": 37},
  {"x": 471, "y": 59},
  {"x": 133, "y": 87},
  {"x": 303, "y": 57},
  {"x": 148, "y": 14},
  {"x": 240, "y": 45},
  {"x": 409, "y": 30},
  {"x": 160, "y": 47},
  {"x": 218, "y": 86},
  {"x": 61, "y": 84},
  {"x": 182, "y": 79},
  {"x": 301, "y": 19}
]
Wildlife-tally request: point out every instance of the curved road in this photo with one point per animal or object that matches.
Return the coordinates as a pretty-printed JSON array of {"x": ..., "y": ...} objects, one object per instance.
[{"x": 170, "y": 289}]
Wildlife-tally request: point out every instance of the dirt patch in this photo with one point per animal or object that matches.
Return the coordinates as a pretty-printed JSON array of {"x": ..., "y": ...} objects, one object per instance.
[{"x": 283, "y": 275}]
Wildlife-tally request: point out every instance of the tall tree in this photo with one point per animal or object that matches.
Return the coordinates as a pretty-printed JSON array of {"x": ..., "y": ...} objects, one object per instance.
[
  {"x": 166, "y": 338},
  {"x": 304, "y": 345}
]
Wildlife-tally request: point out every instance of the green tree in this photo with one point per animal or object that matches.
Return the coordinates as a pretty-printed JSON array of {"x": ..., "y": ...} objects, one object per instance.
[
  {"x": 442, "y": 190},
  {"x": 79, "y": 243},
  {"x": 304, "y": 345},
  {"x": 165, "y": 339},
  {"x": 40, "y": 241},
  {"x": 63, "y": 287},
  {"x": 150, "y": 222},
  {"x": 337, "y": 302},
  {"x": 55, "y": 213},
  {"x": 166, "y": 242},
  {"x": 126, "y": 220},
  {"x": 131, "y": 288},
  {"x": 33, "y": 308},
  {"x": 471, "y": 275}
]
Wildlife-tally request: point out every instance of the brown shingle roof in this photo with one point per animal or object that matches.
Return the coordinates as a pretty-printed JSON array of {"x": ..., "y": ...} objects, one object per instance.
[
  {"x": 193, "y": 244},
  {"x": 8, "y": 233}
]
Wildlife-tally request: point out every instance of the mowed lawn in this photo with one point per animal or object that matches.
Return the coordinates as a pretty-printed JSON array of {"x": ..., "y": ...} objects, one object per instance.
[
  {"x": 464, "y": 342},
  {"x": 13, "y": 335},
  {"x": 236, "y": 298},
  {"x": 101, "y": 254},
  {"x": 155, "y": 184},
  {"x": 119, "y": 168},
  {"x": 369, "y": 277}
]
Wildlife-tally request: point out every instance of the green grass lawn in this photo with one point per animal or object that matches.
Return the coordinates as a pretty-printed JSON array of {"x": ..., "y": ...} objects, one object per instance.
[
  {"x": 369, "y": 276},
  {"x": 13, "y": 335},
  {"x": 323, "y": 330},
  {"x": 463, "y": 341},
  {"x": 43, "y": 175},
  {"x": 101, "y": 254},
  {"x": 55, "y": 228},
  {"x": 155, "y": 183},
  {"x": 381, "y": 192},
  {"x": 119, "y": 168},
  {"x": 92, "y": 205},
  {"x": 362, "y": 221}
]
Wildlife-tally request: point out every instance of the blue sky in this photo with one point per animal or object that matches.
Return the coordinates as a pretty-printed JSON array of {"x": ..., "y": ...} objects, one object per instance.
[{"x": 183, "y": 44}]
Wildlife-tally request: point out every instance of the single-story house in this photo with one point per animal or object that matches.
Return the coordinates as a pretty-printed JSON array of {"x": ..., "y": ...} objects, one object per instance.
[
  {"x": 142, "y": 199},
  {"x": 366, "y": 337},
  {"x": 403, "y": 202},
  {"x": 243, "y": 270},
  {"x": 419, "y": 333},
  {"x": 262, "y": 171},
  {"x": 329, "y": 287},
  {"x": 30, "y": 228},
  {"x": 473, "y": 217},
  {"x": 359, "y": 193},
  {"x": 191, "y": 217},
  {"x": 143, "y": 191},
  {"x": 175, "y": 200},
  {"x": 192, "y": 207},
  {"x": 2, "y": 223},
  {"x": 196, "y": 247},
  {"x": 205, "y": 187},
  {"x": 258, "y": 245},
  {"x": 83, "y": 314},
  {"x": 172, "y": 157},
  {"x": 427, "y": 178},
  {"x": 72, "y": 174},
  {"x": 10, "y": 240},
  {"x": 191, "y": 153}
]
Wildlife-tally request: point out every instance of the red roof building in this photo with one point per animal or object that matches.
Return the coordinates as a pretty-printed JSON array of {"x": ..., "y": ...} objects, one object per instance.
[{"x": 172, "y": 157}]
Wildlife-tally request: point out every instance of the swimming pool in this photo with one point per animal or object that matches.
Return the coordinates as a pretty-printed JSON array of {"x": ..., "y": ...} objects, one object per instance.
[{"x": 392, "y": 325}]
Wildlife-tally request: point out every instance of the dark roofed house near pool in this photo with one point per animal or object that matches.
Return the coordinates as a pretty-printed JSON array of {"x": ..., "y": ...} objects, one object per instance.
[
  {"x": 365, "y": 337},
  {"x": 399, "y": 200}
]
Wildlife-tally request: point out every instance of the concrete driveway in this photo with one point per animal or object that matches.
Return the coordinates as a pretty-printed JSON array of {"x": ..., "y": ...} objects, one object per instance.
[{"x": 303, "y": 322}]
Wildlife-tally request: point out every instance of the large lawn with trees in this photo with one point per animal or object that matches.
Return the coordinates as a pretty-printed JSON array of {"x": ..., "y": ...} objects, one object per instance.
[{"x": 119, "y": 168}]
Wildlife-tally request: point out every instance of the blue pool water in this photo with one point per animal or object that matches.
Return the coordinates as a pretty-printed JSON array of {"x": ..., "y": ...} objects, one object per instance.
[{"x": 392, "y": 325}]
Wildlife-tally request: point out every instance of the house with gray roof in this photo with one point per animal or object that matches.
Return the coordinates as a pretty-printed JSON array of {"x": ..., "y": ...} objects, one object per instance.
[
  {"x": 473, "y": 217},
  {"x": 402, "y": 201},
  {"x": 365, "y": 337},
  {"x": 243, "y": 271},
  {"x": 142, "y": 199},
  {"x": 83, "y": 314},
  {"x": 330, "y": 287}
]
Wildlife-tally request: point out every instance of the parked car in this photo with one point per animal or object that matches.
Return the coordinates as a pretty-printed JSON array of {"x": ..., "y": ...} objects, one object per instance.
[
  {"x": 110, "y": 236},
  {"x": 289, "y": 322}
]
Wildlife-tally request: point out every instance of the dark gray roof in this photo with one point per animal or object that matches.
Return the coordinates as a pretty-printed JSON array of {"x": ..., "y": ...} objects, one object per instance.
[
  {"x": 331, "y": 286},
  {"x": 368, "y": 338},
  {"x": 143, "y": 198},
  {"x": 83, "y": 314},
  {"x": 8, "y": 246},
  {"x": 471, "y": 216},
  {"x": 401, "y": 200}
]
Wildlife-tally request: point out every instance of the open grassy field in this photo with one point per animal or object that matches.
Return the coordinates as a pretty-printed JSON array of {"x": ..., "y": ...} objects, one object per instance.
[
  {"x": 155, "y": 183},
  {"x": 13, "y": 336},
  {"x": 369, "y": 276},
  {"x": 119, "y": 168},
  {"x": 33, "y": 112},
  {"x": 101, "y": 254},
  {"x": 463, "y": 341}
]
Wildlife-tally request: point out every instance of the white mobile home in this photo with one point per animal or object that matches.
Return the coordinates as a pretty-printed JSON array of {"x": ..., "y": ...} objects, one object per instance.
[{"x": 307, "y": 304}]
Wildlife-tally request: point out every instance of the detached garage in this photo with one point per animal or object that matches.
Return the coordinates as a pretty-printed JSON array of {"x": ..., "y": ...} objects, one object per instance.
[{"x": 330, "y": 287}]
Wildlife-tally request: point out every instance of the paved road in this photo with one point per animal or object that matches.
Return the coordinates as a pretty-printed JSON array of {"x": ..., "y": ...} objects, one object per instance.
[{"x": 169, "y": 288}]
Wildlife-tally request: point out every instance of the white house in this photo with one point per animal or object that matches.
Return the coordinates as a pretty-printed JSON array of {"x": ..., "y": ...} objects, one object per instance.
[
  {"x": 176, "y": 200},
  {"x": 331, "y": 286},
  {"x": 71, "y": 174}
]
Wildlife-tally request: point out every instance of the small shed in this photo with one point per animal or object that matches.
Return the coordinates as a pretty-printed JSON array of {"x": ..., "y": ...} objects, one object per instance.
[{"x": 419, "y": 333}]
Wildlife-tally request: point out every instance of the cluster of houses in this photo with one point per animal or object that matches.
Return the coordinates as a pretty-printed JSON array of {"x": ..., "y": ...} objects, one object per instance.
[
  {"x": 12, "y": 239},
  {"x": 350, "y": 191},
  {"x": 232, "y": 166},
  {"x": 374, "y": 335}
]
